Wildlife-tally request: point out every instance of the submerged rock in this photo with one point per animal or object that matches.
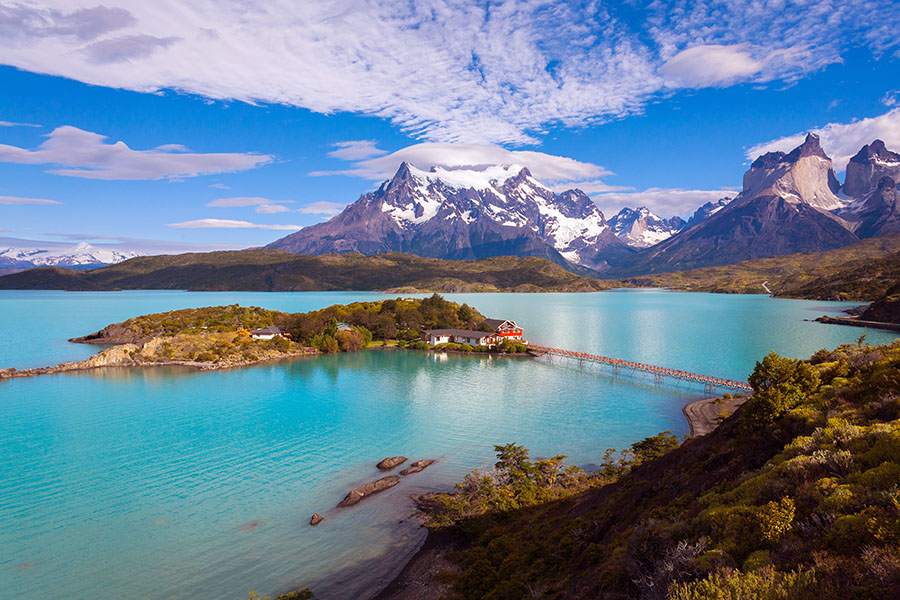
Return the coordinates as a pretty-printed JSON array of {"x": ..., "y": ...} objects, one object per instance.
[
  {"x": 390, "y": 462},
  {"x": 364, "y": 491},
  {"x": 417, "y": 466},
  {"x": 315, "y": 519}
]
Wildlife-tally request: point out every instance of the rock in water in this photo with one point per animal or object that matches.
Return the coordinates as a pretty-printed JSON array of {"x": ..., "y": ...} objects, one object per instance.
[
  {"x": 417, "y": 466},
  {"x": 391, "y": 462},
  {"x": 315, "y": 519},
  {"x": 364, "y": 491}
]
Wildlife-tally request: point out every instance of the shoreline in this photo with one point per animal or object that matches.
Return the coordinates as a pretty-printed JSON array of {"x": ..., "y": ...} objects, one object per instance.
[
  {"x": 419, "y": 578},
  {"x": 703, "y": 415}
]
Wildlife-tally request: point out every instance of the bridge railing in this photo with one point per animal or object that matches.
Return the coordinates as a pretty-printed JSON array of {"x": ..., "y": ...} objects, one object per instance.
[{"x": 648, "y": 368}]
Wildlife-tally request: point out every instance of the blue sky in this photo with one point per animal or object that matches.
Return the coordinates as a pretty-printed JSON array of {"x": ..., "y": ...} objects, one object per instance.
[{"x": 240, "y": 121}]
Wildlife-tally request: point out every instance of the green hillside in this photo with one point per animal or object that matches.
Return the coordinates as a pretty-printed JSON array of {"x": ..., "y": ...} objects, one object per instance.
[
  {"x": 276, "y": 270},
  {"x": 795, "y": 496}
]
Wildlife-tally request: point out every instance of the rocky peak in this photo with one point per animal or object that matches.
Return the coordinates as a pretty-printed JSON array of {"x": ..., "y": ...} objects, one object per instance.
[
  {"x": 803, "y": 175},
  {"x": 869, "y": 167}
]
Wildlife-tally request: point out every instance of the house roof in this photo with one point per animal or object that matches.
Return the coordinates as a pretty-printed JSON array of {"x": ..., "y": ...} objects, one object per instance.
[
  {"x": 460, "y": 332},
  {"x": 496, "y": 323},
  {"x": 269, "y": 329}
]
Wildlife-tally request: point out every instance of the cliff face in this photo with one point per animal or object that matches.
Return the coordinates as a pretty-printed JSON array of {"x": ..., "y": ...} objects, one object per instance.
[{"x": 869, "y": 167}]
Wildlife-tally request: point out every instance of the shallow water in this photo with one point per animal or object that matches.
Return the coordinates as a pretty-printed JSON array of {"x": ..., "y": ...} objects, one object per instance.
[{"x": 165, "y": 483}]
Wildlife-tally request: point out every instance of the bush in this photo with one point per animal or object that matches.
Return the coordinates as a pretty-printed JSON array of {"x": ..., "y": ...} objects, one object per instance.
[
  {"x": 766, "y": 584},
  {"x": 775, "y": 519},
  {"x": 779, "y": 384}
]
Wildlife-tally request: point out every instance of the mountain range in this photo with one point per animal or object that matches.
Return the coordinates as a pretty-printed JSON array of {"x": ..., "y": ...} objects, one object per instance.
[
  {"x": 790, "y": 202},
  {"x": 18, "y": 255}
]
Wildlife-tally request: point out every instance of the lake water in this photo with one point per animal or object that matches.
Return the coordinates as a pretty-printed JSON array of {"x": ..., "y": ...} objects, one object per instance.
[{"x": 165, "y": 483}]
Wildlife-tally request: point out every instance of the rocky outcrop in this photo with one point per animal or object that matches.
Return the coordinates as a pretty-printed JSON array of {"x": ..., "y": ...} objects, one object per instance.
[
  {"x": 803, "y": 175},
  {"x": 869, "y": 167},
  {"x": 316, "y": 519},
  {"x": 478, "y": 212},
  {"x": 364, "y": 491},
  {"x": 886, "y": 309},
  {"x": 390, "y": 462},
  {"x": 419, "y": 465},
  {"x": 878, "y": 213}
]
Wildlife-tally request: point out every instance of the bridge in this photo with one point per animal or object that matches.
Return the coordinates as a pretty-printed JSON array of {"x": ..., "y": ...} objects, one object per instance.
[{"x": 660, "y": 373}]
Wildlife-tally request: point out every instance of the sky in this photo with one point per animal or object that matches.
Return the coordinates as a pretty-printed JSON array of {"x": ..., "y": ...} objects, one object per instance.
[{"x": 173, "y": 126}]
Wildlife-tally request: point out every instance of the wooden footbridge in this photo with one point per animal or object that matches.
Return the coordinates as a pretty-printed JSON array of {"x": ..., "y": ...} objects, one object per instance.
[{"x": 660, "y": 373}]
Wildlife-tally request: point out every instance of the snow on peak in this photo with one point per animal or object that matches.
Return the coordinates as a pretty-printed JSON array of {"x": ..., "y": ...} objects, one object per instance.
[{"x": 474, "y": 177}]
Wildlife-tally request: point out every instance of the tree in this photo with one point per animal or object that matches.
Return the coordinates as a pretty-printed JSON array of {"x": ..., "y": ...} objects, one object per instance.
[
  {"x": 779, "y": 384},
  {"x": 654, "y": 447}
]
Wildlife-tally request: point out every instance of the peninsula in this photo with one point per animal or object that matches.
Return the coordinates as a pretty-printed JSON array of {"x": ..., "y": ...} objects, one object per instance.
[{"x": 223, "y": 337}]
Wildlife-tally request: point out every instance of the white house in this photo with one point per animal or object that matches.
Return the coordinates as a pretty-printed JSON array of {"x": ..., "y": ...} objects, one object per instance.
[
  {"x": 461, "y": 336},
  {"x": 268, "y": 333}
]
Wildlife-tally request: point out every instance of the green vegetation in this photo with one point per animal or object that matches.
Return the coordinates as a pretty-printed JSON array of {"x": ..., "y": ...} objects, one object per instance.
[
  {"x": 276, "y": 270},
  {"x": 861, "y": 271},
  {"x": 221, "y": 334},
  {"x": 797, "y": 495}
]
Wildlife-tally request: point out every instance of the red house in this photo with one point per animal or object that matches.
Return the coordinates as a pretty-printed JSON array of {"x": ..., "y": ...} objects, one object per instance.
[
  {"x": 505, "y": 328},
  {"x": 500, "y": 329}
]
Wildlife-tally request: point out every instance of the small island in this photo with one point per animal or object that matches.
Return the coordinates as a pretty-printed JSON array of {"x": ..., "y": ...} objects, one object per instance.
[{"x": 224, "y": 337}]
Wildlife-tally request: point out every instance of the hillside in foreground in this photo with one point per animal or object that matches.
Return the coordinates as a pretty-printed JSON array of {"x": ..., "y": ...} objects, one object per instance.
[
  {"x": 279, "y": 271},
  {"x": 795, "y": 496}
]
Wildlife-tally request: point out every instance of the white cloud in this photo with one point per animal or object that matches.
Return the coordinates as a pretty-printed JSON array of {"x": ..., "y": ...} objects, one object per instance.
[
  {"x": 16, "y": 200},
  {"x": 442, "y": 70},
  {"x": 841, "y": 140},
  {"x": 239, "y": 201},
  {"x": 228, "y": 224},
  {"x": 891, "y": 98},
  {"x": 271, "y": 209},
  {"x": 665, "y": 202},
  {"x": 322, "y": 208},
  {"x": 264, "y": 206},
  {"x": 715, "y": 65},
  {"x": 85, "y": 154},
  {"x": 220, "y": 186},
  {"x": 545, "y": 167},
  {"x": 12, "y": 124},
  {"x": 356, "y": 150}
]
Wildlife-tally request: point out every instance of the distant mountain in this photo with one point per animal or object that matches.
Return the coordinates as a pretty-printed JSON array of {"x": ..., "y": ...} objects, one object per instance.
[
  {"x": 467, "y": 213},
  {"x": 83, "y": 255},
  {"x": 707, "y": 210},
  {"x": 276, "y": 270},
  {"x": 640, "y": 228},
  {"x": 788, "y": 204}
]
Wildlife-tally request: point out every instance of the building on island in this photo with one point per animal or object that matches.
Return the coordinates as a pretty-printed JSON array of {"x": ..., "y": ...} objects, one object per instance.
[
  {"x": 502, "y": 329},
  {"x": 268, "y": 333}
]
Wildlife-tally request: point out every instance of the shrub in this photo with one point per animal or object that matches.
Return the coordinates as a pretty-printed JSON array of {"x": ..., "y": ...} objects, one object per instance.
[
  {"x": 775, "y": 519},
  {"x": 779, "y": 384},
  {"x": 766, "y": 584}
]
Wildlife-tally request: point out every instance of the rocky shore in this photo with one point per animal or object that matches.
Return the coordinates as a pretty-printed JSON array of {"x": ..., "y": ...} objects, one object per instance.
[{"x": 148, "y": 354}]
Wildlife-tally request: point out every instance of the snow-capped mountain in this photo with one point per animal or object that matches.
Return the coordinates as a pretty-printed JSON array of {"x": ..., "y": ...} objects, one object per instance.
[
  {"x": 82, "y": 255},
  {"x": 640, "y": 228},
  {"x": 470, "y": 212}
]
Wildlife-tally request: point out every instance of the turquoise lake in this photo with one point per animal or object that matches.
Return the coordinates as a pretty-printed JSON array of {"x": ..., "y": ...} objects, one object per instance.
[{"x": 167, "y": 483}]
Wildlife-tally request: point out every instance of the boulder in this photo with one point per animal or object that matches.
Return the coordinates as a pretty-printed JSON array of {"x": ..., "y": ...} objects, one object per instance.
[
  {"x": 390, "y": 462},
  {"x": 417, "y": 466},
  {"x": 364, "y": 491},
  {"x": 315, "y": 519}
]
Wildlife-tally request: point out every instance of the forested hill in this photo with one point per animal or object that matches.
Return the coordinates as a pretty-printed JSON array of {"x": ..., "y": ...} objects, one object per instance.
[{"x": 279, "y": 271}]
